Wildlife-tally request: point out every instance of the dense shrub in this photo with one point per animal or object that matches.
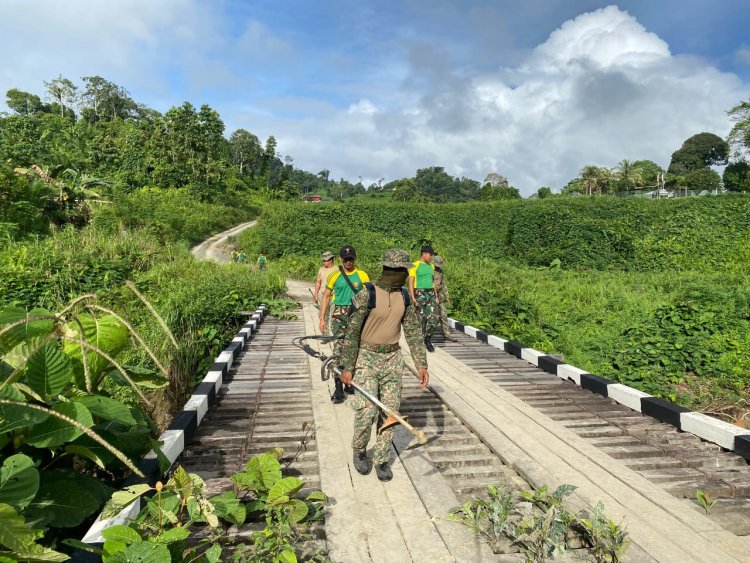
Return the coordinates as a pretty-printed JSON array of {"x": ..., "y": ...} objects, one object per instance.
[
  {"x": 171, "y": 215},
  {"x": 583, "y": 233},
  {"x": 47, "y": 272}
]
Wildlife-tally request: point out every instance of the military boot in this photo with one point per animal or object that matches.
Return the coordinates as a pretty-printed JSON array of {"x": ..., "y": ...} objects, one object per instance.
[
  {"x": 362, "y": 463},
  {"x": 428, "y": 344},
  {"x": 383, "y": 471},
  {"x": 338, "y": 394}
]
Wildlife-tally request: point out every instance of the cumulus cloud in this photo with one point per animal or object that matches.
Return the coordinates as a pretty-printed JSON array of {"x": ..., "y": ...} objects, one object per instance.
[{"x": 601, "y": 88}]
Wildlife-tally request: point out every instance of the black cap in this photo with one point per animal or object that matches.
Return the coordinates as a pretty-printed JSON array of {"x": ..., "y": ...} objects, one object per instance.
[
  {"x": 427, "y": 249},
  {"x": 347, "y": 251}
]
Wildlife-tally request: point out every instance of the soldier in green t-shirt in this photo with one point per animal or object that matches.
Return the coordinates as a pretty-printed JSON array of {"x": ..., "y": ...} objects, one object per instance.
[{"x": 423, "y": 294}]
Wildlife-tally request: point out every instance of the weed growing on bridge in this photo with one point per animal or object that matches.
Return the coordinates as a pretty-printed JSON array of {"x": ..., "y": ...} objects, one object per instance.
[
  {"x": 538, "y": 524},
  {"x": 179, "y": 523},
  {"x": 705, "y": 499}
]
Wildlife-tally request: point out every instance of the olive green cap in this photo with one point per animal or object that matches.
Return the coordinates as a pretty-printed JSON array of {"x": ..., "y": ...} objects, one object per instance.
[{"x": 396, "y": 258}]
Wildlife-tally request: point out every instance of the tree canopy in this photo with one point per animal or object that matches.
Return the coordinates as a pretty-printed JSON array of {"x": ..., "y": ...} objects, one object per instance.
[{"x": 699, "y": 151}]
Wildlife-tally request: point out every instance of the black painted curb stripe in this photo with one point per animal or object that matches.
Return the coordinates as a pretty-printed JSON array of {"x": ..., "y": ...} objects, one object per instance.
[
  {"x": 662, "y": 410},
  {"x": 707, "y": 428},
  {"x": 183, "y": 426}
]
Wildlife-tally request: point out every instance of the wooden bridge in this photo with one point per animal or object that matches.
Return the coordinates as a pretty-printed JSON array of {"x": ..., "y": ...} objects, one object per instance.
[{"x": 493, "y": 413}]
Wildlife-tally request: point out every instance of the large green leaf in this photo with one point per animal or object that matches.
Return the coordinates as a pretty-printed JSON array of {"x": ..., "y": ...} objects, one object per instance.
[
  {"x": 14, "y": 534},
  {"x": 213, "y": 554},
  {"x": 85, "y": 452},
  {"x": 20, "y": 333},
  {"x": 288, "y": 486},
  {"x": 298, "y": 510},
  {"x": 121, "y": 534},
  {"x": 107, "y": 409},
  {"x": 123, "y": 498},
  {"x": 286, "y": 556},
  {"x": 54, "y": 432},
  {"x": 13, "y": 417},
  {"x": 36, "y": 552},
  {"x": 19, "y": 481},
  {"x": 48, "y": 370},
  {"x": 228, "y": 507},
  {"x": 172, "y": 535},
  {"x": 62, "y": 502},
  {"x": 260, "y": 474},
  {"x": 106, "y": 333},
  {"x": 20, "y": 354},
  {"x": 143, "y": 552}
]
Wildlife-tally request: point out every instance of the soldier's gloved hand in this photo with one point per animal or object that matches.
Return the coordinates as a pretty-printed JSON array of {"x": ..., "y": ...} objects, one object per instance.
[
  {"x": 424, "y": 375},
  {"x": 347, "y": 377}
]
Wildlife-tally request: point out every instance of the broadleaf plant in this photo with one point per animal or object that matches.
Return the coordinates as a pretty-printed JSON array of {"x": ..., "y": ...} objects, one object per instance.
[{"x": 65, "y": 437}]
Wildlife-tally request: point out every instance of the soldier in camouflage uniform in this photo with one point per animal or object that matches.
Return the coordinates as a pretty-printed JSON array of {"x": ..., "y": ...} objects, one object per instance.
[
  {"x": 442, "y": 291},
  {"x": 370, "y": 354},
  {"x": 424, "y": 295},
  {"x": 341, "y": 286}
]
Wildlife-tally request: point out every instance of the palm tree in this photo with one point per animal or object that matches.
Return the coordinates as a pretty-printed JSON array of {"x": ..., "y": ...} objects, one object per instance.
[
  {"x": 628, "y": 174},
  {"x": 595, "y": 179},
  {"x": 590, "y": 179}
]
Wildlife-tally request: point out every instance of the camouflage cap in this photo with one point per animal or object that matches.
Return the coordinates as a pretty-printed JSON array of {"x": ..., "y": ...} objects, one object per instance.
[
  {"x": 396, "y": 258},
  {"x": 438, "y": 261},
  {"x": 327, "y": 255}
]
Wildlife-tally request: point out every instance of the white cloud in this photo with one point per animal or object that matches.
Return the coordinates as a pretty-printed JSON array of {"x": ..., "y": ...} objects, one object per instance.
[{"x": 601, "y": 88}]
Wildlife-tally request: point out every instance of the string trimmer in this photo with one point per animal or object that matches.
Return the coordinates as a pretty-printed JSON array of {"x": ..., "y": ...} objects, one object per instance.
[{"x": 329, "y": 365}]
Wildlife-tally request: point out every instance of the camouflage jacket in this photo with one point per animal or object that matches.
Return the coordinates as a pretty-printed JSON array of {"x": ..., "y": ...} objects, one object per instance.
[
  {"x": 440, "y": 286},
  {"x": 410, "y": 323}
]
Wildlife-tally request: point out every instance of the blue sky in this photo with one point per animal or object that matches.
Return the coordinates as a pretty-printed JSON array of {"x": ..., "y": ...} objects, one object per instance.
[{"x": 533, "y": 90}]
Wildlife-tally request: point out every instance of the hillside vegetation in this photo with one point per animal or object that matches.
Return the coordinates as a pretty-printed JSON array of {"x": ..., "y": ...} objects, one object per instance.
[{"x": 655, "y": 294}]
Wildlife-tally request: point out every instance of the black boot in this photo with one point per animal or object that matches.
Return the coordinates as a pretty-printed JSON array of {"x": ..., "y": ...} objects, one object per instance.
[
  {"x": 383, "y": 471},
  {"x": 362, "y": 463},
  {"x": 428, "y": 344},
  {"x": 338, "y": 394}
]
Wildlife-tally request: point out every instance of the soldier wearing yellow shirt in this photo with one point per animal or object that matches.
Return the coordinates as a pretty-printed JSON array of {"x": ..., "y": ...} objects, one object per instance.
[
  {"x": 342, "y": 285},
  {"x": 424, "y": 295}
]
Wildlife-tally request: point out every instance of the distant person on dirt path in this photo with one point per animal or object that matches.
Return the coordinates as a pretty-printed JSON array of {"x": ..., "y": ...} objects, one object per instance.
[
  {"x": 262, "y": 261},
  {"x": 242, "y": 258},
  {"x": 235, "y": 256},
  {"x": 325, "y": 270},
  {"x": 371, "y": 356},
  {"x": 422, "y": 290},
  {"x": 441, "y": 287},
  {"x": 342, "y": 284}
]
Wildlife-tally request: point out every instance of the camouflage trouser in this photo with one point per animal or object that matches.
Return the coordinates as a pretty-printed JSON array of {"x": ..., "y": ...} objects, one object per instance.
[
  {"x": 444, "y": 319},
  {"x": 427, "y": 308},
  {"x": 380, "y": 375},
  {"x": 338, "y": 321}
]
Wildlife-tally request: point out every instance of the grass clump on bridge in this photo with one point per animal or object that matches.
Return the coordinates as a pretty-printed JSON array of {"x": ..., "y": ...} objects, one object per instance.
[
  {"x": 650, "y": 293},
  {"x": 179, "y": 523},
  {"x": 539, "y": 525}
]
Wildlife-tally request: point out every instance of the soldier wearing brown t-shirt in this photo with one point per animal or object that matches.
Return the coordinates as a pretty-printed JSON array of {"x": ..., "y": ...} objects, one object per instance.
[{"x": 320, "y": 280}]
